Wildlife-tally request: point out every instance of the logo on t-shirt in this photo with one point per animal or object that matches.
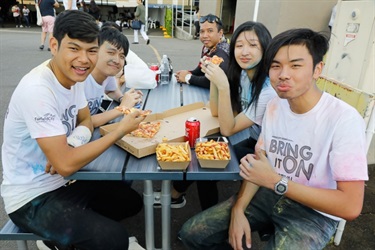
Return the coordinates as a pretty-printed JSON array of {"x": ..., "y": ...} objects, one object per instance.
[
  {"x": 94, "y": 105},
  {"x": 69, "y": 119},
  {"x": 293, "y": 159},
  {"x": 45, "y": 118}
]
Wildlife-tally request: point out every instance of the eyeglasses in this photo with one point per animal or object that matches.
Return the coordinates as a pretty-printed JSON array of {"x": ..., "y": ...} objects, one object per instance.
[{"x": 210, "y": 19}]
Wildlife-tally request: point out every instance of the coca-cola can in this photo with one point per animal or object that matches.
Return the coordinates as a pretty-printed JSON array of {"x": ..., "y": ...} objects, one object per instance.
[
  {"x": 155, "y": 68},
  {"x": 192, "y": 130}
]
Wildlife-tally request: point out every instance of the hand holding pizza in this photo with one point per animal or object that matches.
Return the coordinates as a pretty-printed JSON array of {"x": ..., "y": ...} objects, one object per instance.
[
  {"x": 215, "y": 74},
  {"x": 130, "y": 122}
]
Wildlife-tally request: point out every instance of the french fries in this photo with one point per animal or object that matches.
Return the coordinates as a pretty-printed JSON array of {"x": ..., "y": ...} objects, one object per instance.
[
  {"x": 173, "y": 152},
  {"x": 212, "y": 150}
]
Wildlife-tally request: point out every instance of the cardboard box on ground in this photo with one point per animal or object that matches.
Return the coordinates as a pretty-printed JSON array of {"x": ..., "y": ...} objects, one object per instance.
[{"x": 172, "y": 127}]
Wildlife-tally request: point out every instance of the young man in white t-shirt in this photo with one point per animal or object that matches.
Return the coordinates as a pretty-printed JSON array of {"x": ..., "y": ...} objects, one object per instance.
[
  {"x": 114, "y": 47},
  {"x": 310, "y": 165},
  {"x": 47, "y": 130}
]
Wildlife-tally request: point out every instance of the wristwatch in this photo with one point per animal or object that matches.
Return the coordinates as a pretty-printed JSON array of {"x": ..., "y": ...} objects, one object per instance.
[
  {"x": 187, "y": 78},
  {"x": 282, "y": 186}
]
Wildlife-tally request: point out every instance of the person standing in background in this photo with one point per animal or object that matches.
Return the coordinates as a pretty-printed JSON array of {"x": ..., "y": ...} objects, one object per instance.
[
  {"x": 17, "y": 15},
  {"x": 94, "y": 10},
  {"x": 47, "y": 10},
  {"x": 70, "y": 5},
  {"x": 83, "y": 6},
  {"x": 197, "y": 15},
  {"x": 140, "y": 15},
  {"x": 26, "y": 12}
]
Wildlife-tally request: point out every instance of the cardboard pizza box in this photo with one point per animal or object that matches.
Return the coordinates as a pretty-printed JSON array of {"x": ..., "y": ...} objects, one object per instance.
[{"x": 172, "y": 128}]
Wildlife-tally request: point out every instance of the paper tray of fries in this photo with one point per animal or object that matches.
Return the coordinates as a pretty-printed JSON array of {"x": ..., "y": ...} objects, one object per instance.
[
  {"x": 212, "y": 152},
  {"x": 173, "y": 155}
]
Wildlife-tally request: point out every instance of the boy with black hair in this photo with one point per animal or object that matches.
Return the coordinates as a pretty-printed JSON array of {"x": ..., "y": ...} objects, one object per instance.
[
  {"x": 47, "y": 130},
  {"x": 310, "y": 165},
  {"x": 114, "y": 47}
]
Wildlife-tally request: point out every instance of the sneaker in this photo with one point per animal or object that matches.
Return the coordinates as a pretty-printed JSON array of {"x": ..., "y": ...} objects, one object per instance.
[
  {"x": 179, "y": 202},
  {"x": 45, "y": 245},
  {"x": 133, "y": 244},
  {"x": 41, "y": 47},
  {"x": 21, "y": 26},
  {"x": 148, "y": 41}
]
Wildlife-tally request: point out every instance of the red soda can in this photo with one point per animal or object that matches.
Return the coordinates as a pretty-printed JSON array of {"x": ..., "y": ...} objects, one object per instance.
[
  {"x": 192, "y": 130},
  {"x": 155, "y": 68}
]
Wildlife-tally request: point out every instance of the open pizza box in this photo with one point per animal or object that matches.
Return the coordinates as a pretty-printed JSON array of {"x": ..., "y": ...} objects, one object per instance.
[{"x": 172, "y": 128}]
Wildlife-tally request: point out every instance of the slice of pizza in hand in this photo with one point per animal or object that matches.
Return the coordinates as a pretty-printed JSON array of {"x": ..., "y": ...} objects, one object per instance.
[
  {"x": 127, "y": 111},
  {"x": 215, "y": 59}
]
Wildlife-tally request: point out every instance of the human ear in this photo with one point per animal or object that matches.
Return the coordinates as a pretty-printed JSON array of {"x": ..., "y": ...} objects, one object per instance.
[{"x": 318, "y": 70}]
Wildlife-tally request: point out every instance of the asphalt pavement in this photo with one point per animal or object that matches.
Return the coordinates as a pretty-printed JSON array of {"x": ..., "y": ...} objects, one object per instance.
[{"x": 19, "y": 53}]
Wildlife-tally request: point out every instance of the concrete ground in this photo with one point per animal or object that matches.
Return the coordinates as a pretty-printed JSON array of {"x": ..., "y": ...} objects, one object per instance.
[{"x": 19, "y": 53}]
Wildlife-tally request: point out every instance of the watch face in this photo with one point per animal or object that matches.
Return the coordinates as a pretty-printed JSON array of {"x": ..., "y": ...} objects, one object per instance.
[{"x": 281, "y": 188}]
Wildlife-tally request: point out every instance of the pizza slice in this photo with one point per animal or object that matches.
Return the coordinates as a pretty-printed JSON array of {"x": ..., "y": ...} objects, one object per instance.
[
  {"x": 147, "y": 129},
  {"x": 215, "y": 59},
  {"x": 127, "y": 111}
]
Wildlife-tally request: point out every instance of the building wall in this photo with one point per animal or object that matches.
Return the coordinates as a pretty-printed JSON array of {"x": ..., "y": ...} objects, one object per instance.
[
  {"x": 280, "y": 15},
  {"x": 210, "y": 7}
]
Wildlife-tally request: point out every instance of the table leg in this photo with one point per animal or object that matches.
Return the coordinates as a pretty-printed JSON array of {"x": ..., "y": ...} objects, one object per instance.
[
  {"x": 166, "y": 214},
  {"x": 148, "y": 201}
]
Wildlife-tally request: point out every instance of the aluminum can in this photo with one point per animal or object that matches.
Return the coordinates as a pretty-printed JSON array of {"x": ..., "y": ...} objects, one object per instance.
[
  {"x": 155, "y": 68},
  {"x": 192, "y": 130}
]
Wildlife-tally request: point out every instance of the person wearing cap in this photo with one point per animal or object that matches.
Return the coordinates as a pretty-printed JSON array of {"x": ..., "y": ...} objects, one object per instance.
[{"x": 214, "y": 43}]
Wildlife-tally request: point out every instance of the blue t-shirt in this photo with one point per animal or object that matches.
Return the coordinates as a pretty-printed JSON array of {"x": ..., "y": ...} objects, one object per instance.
[{"x": 46, "y": 7}]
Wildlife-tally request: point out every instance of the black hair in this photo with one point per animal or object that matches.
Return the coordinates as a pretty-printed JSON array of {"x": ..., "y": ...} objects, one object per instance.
[
  {"x": 76, "y": 25},
  {"x": 110, "y": 24},
  {"x": 219, "y": 23},
  {"x": 316, "y": 43},
  {"x": 234, "y": 69},
  {"x": 114, "y": 37}
]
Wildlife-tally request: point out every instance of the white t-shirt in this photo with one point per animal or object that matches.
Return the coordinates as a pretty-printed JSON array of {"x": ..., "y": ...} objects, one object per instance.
[
  {"x": 74, "y": 4},
  {"x": 255, "y": 115},
  {"x": 318, "y": 148},
  {"x": 40, "y": 107},
  {"x": 95, "y": 92}
]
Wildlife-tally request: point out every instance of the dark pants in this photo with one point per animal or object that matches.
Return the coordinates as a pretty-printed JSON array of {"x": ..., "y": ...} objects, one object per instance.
[
  {"x": 84, "y": 215},
  {"x": 296, "y": 226},
  {"x": 27, "y": 22},
  {"x": 17, "y": 20},
  {"x": 197, "y": 28},
  {"x": 207, "y": 190}
]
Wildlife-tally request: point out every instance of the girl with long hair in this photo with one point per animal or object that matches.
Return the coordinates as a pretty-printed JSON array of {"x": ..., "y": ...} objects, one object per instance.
[{"x": 239, "y": 98}]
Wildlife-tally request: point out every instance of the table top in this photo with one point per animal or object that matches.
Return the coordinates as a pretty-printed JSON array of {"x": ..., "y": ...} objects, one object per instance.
[{"x": 116, "y": 164}]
